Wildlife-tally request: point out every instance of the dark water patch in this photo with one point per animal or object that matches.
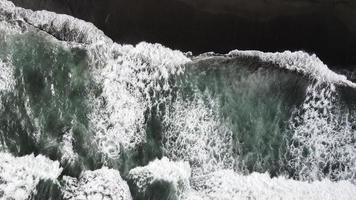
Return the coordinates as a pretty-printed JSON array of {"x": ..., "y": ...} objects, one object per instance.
[
  {"x": 157, "y": 190},
  {"x": 152, "y": 147},
  {"x": 15, "y": 127},
  {"x": 47, "y": 189},
  {"x": 255, "y": 102},
  {"x": 49, "y": 99},
  {"x": 50, "y": 106},
  {"x": 348, "y": 97}
]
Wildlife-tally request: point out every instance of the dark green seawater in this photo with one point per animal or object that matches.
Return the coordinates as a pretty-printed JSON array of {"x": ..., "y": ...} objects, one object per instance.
[{"x": 220, "y": 113}]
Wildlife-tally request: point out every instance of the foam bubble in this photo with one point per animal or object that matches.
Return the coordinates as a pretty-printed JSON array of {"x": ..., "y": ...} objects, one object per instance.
[
  {"x": 7, "y": 81},
  {"x": 131, "y": 80},
  {"x": 68, "y": 154},
  {"x": 19, "y": 176},
  {"x": 226, "y": 184},
  {"x": 130, "y": 77},
  {"x": 100, "y": 184},
  {"x": 299, "y": 61},
  {"x": 323, "y": 140},
  {"x": 194, "y": 133},
  {"x": 175, "y": 173}
]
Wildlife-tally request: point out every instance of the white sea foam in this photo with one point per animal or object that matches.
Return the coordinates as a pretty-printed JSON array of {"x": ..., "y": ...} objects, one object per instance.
[
  {"x": 322, "y": 129},
  {"x": 175, "y": 173},
  {"x": 194, "y": 133},
  {"x": 64, "y": 27},
  {"x": 6, "y": 4},
  {"x": 132, "y": 76},
  {"x": 227, "y": 185},
  {"x": 68, "y": 154},
  {"x": 131, "y": 80},
  {"x": 323, "y": 136},
  {"x": 19, "y": 176},
  {"x": 7, "y": 81},
  {"x": 101, "y": 184},
  {"x": 299, "y": 61}
]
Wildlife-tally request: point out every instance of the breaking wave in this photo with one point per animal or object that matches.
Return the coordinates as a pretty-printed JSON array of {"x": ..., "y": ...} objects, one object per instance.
[{"x": 111, "y": 121}]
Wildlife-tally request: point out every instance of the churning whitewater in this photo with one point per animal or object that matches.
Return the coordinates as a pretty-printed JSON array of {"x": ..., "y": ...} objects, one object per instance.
[{"x": 82, "y": 117}]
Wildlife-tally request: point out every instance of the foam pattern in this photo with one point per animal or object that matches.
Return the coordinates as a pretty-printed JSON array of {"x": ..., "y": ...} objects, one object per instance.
[
  {"x": 19, "y": 176},
  {"x": 131, "y": 82},
  {"x": 6, "y": 77},
  {"x": 299, "y": 61},
  {"x": 195, "y": 134},
  {"x": 130, "y": 78},
  {"x": 175, "y": 173},
  {"x": 101, "y": 184},
  {"x": 323, "y": 136},
  {"x": 227, "y": 185},
  {"x": 68, "y": 154}
]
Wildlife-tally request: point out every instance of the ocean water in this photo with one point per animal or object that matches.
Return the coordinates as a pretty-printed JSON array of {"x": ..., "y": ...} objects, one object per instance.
[{"x": 82, "y": 117}]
